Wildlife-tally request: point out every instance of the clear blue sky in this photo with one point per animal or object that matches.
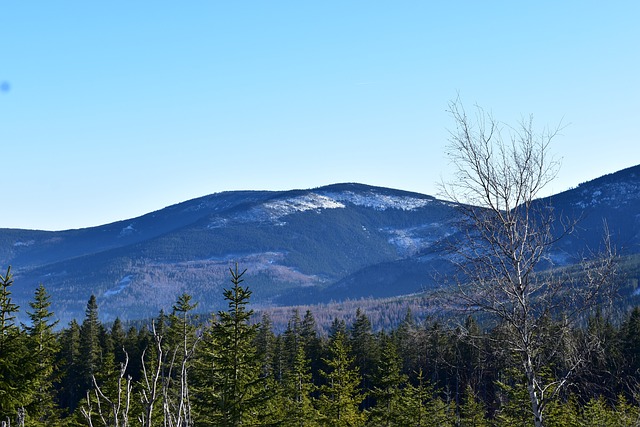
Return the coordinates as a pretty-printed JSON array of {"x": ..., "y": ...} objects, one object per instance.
[{"x": 112, "y": 109}]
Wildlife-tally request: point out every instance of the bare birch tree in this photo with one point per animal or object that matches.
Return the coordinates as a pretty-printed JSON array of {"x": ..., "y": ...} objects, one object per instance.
[
  {"x": 151, "y": 382},
  {"x": 110, "y": 411},
  {"x": 499, "y": 172}
]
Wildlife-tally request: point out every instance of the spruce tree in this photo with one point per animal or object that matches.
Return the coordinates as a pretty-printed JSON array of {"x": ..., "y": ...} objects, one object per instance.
[
  {"x": 311, "y": 342},
  {"x": 630, "y": 337},
  {"x": 597, "y": 413},
  {"x": 43, "y": 346},
  {"x": 232, "y": 388},
  {"x": 90, "y": 356},
  {"x": 563, "y": 414},
  {"x": 423, "y": 406},
  {"x": 298, "y": 389},
  {"x": 297, "y": 382},
  {"x": 68, "y": 364},
  {"x": 266, "y": 343},
  {"x": 388, "y": 382},
  {"x": 363, "y": 349},
  {"x": 472, "y": 412},
  {"x": 341, "y": 395},
  {"x": 14, "y": 378},
  {"x": 118, "y": 342}
]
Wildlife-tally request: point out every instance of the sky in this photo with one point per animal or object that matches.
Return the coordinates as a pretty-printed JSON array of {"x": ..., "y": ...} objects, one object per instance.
[{"x": 110, "y": 110}]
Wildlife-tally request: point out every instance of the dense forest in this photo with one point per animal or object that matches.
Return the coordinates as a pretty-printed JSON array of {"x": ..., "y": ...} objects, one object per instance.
[{"x": 232, "y": 369}]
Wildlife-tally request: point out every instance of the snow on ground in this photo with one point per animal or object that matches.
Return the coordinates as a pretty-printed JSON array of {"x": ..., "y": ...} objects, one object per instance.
[
  {"x": 612, "y": 195},
  {"x": 380, "y": 202},
  {"x": 274, "y": 210},
  {"x": 121, "y": 286},
  {"x": 311, "y": 201},
  {"x": 128, "y": 230}
]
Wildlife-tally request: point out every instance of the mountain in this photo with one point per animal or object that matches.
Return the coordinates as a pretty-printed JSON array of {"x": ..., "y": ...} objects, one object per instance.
[
  {"x": 610, "y": 204},
  {"x": 299, "y": 247}
]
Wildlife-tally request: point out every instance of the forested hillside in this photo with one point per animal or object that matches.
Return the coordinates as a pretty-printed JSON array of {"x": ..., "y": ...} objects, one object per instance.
[
  {"x": 232, "y": 369},
  {"x": 333, "y": 243}
]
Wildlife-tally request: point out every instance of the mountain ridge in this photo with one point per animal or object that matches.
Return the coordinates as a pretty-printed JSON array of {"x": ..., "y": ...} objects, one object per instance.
[{"x": 344, "y": 240}]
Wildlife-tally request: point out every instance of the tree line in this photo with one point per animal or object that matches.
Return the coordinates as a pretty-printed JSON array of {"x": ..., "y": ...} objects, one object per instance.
[{"x": 230, "y": 370}]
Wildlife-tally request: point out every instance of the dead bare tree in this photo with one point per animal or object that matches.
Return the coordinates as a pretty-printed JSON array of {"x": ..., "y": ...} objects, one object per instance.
[
  {"x": 117, "y": 414},
  {"x": 151, "y": 380},
  {"x": 499, "y": 172}
]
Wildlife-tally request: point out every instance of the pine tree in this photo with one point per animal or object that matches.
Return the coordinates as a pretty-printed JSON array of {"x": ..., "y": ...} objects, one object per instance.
[
  {"x": 341, "y": 396},
  {"x": 43, "y": 346}
]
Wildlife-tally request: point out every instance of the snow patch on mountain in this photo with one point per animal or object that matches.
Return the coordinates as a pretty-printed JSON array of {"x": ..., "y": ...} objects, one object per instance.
[
  {"x": 613, "y": 195},
  {"x": 126, "y": 231},
  {"x": 380, "y": 202},
  {"x": 409, "y": 241},
  {"x": 311, "y": 201},
  {"x": 121, "y": 286}
]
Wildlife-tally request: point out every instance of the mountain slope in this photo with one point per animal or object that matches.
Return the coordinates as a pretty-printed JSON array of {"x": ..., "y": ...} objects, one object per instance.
[
  {"x": 289, "y": 242},
  {"x": 300, "y": 246}
]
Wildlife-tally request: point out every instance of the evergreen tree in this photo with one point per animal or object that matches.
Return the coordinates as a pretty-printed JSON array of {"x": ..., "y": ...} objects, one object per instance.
[
  {"x": 626, "y": 414},
  {"x": 341, "y": 396},
  {"x": 292, "y": 340},
  {"x": 423, "y": 407},
  {"x": 136, "y": 343},
  {"x": 363, "y": 349},
  {"x": 69, "y": 368},
  {"x": 406, "y": 337},
  {"x": 563, "y": 414},
  {"x": 472, "y": 412},
  {"x": 467, "y": 357},
  {"x": 266, "y": 343},
  {"x": 233, "y": 389},
  {"x": 14, "y": 378},
  {"x": 387, "y": 387},
  {"x": 43, "y": 347},
  {"x": 516, "y": 408},
  {"x": 311, "y": 342},
  {"x": 604, "y": 360},
  {"x": 338, "y": 327},
  {"x": 630, "y": 337},
  {"x": 596, "y": 413},
  {"x": 298, "y": 388},
  {"x": 90, "y": 350},
  {"x": 118, "y": 342},
  {"x": 271, "y": 365}
]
